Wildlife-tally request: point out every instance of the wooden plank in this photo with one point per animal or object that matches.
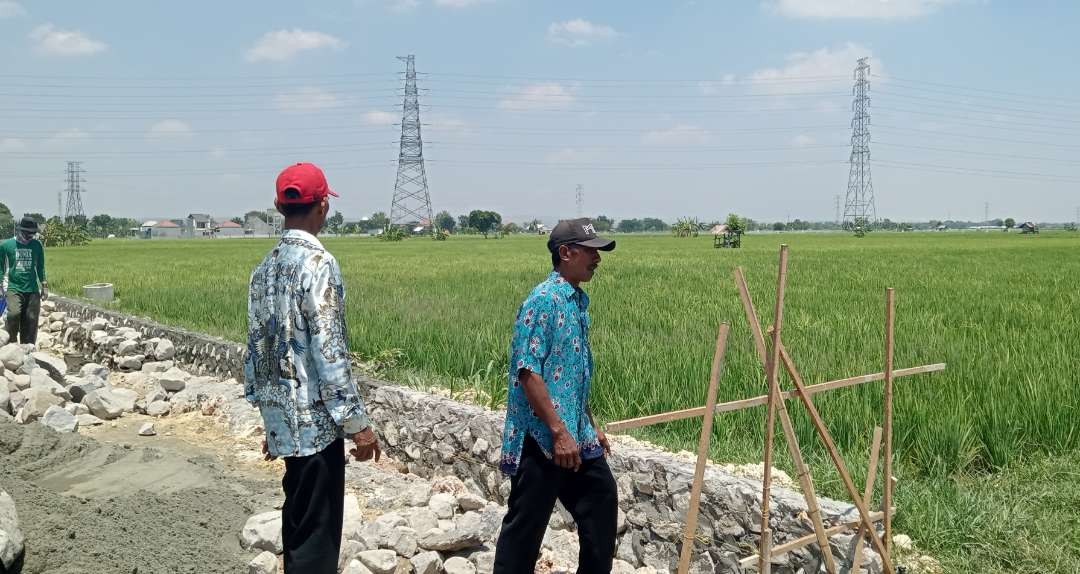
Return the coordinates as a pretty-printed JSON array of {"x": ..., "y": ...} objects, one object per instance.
[
  {"x": 834, "y": 454},
  {"x": 758, "y": 401},
  {"x": 703, "y": 452},
  {"x": 886, "y": 500},
  {"x": 771, "y": 368},
  {"x": 806, "y": 482},
  {"x": 809, "y": 539},
  {"x": 868, "y": 494}
]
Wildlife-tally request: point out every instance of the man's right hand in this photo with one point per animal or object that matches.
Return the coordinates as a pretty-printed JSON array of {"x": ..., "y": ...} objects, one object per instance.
[
  {"x": 366, "y": 446},
  {"x": 567, "y": 453}
]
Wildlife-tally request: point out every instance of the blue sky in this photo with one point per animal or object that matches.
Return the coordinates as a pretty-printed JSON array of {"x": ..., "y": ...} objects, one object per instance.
[{"x": 664, "y": 109}]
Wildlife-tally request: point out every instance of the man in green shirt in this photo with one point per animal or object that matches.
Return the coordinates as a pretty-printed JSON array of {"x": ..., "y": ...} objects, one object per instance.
[{"x": 22, "y": 260}]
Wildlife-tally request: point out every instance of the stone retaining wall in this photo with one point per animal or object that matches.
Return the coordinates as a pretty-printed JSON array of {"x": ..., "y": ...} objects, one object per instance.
[{"x": 434, "y": 435}]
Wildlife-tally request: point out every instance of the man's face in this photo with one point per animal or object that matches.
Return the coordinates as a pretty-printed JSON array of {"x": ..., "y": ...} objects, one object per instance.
[
  {"x": 25, "y": 236},
  {"x": 577, "y": 262}
]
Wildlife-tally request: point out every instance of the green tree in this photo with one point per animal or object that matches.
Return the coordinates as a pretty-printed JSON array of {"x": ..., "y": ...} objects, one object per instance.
[
  {"x": 334, "y": 223},
  {"x": 735, "y": 224},
  {"x": 7, "y": 221},
  {"x": 510, "y": 228},
  {"x": 631, "y": 226},
  {"x": 654, "y": 224},
  {"x": 445, "y": 221},
  {"x": 1010, "y": 223},
  {"x": 59, "y": 234},
  {"x": 778, "y": 226},
  {"x": 100, "y": 225},
  {"x": 237, "y": 220},
  {"x": 77, "y": 221},
  {"x": 603, "y": 223},
  {"x": 463, "y": 223},
  {"x": 484, "y": 221},
  {"x": 36, "y": 217},
  {"x": 378, "y": 220}
]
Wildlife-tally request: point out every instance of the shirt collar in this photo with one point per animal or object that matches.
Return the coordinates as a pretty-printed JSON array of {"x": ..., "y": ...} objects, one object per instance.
[
  {"x": 301, "y": 235},
  {"x": 564, "y": 288}
]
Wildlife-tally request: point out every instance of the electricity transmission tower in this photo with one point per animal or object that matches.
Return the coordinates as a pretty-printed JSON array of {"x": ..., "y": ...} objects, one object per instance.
[
  {"x": 412, "y": 202},
  {"x": 580, "y": 196},
  {"x": 74, "y": 190},
  {"x": 859, "y": 203}
]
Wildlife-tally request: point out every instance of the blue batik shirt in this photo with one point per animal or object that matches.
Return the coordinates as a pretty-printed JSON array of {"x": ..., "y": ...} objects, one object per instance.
[
  {"x": 297, "y": 369},
  {"x": 551, "y": 339}
]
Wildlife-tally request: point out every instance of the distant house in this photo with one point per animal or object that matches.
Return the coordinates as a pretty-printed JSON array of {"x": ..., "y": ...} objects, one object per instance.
[
  {"x": 1028, "y": 227},
  {"x": 228, "y": 229},
  {"x": 198, "y": 225},
  {"x": 256, "y": 226},
  {"x": 164, "y": 228}
]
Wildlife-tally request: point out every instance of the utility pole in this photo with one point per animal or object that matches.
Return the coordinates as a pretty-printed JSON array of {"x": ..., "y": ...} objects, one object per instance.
[
  {"x": 859, "y": 203},
  {"x": 986, "y": 212},
  {"x": 836, "y": 199},
  {"x": 75, "y": 190},
  {"x": 580, "y": 196},
  {"x": 411, "y": 205}
]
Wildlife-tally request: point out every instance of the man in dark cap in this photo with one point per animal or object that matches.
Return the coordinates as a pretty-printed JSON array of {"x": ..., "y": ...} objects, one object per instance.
[
  {"x": 22, "y": 259},
  {"x": 552, "y": 449}
]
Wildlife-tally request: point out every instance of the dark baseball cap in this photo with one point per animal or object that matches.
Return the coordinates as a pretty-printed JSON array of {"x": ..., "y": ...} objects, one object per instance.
[
  {"x": 578, "y": 232},
  {"x": 302, "y": 183}
]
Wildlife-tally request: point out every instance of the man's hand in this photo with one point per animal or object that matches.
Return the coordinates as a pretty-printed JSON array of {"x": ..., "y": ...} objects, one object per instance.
[
  {"x": 44, "y": 292},
  {"x": 266, "y": 452},
  {"x": 600, "y": 436},
  {"x": 366, "y": 446},
  {"x": 567, "y": 452}
]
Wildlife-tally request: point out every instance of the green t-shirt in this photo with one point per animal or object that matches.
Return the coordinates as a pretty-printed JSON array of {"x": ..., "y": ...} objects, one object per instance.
[{"x": 24, "y": 264}]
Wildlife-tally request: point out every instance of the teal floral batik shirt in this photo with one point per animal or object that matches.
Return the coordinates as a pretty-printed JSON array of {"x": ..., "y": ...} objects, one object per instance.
[
  {"x": 551, "y": 339},
  {"x": 297, "y": 369}
]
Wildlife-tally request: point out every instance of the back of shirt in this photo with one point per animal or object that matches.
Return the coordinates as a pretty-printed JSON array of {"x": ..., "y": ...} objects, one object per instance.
[{"x": 23, "y": 264}]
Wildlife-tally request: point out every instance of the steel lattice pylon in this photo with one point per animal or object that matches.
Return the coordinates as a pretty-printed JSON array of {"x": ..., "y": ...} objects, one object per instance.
[
  {"x": 412, "y": 203},
  {"x": 74, "y": 190},
  {"x": 859, "y": 203}
]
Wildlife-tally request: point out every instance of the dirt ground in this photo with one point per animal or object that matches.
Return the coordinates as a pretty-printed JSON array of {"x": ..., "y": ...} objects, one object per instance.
[{"x": 107, "y": 501}]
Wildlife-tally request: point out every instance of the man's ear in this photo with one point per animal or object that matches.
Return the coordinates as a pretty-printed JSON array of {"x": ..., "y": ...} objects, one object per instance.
[{"x": 277, "y": 206}]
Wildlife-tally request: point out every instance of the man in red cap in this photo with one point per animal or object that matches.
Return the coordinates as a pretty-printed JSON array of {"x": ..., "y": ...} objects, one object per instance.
[{"x": 298, "y": 374}]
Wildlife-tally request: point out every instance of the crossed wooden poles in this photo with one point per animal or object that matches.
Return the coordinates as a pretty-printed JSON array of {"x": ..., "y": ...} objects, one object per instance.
[{"x": 772, "y": 357}]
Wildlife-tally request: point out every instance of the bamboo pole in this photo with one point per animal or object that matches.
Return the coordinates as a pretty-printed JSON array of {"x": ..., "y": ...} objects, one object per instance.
[
  {"x": 740, "y": 404},
  {"x": 886, "y": 501},
  {"x": 703, "y": 451},
  {"x": 806, "y": 482},
  {"x": 811, "y": 538},
  {"x": 868, "y": 494},
  {"x": 838, "y": 461},
  {"x": 764, "y": 563}
]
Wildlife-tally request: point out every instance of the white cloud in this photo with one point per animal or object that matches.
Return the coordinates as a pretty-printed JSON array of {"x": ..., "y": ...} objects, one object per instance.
[
  {"x": 306, "y": 99},
  {"x": 565, "y": 155},
  {"x": 218, "y": 152},
  {"x": 855, "y": 9},
  {"x": 448, "y": 125},
  {"x": 170, "y": 128},
  {"x": 11, "y": 9},
  {"x": 403, "y": 5},
  {"x": 12, "y": 144},
  {"x": 282, "y": 45},
  {"x": 803, "y": 140},
  {"x": 380, "y": 118},
  {"x": 55, "y": 42},
  {"x": 65, "y": 138},
  {"x": 579, "y": 32},
  {"x": 549, "y": 95},
  {"x": 826, "y": 66},
  {"x": 682, "y": 134}
]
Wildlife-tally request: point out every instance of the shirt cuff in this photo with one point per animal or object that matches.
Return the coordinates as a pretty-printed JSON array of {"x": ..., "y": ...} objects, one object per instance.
[{"x": 355, "y": 424}]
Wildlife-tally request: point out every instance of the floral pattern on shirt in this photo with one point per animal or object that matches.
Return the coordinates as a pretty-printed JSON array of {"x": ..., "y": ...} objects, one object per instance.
[
  {"x": 551, "y": 339},
  {"x": 297, "y": 368}
]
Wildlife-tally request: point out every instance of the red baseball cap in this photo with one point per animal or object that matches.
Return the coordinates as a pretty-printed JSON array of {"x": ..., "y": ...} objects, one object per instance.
[{"x": 302, "y": 183}]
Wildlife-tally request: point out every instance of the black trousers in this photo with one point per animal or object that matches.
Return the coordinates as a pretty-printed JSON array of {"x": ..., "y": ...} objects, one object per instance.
[
  {"x": 22, "y": 318},
  {"x": 314, "y": 503},
  {"x": 590, "y": 495}
]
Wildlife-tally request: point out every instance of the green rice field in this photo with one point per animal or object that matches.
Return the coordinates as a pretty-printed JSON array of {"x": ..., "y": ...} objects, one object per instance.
[{"x": 1000, "y": 309}]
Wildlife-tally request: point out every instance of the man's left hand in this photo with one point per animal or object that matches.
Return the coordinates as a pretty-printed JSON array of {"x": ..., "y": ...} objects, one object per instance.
[{"x": 600, "y": 436}]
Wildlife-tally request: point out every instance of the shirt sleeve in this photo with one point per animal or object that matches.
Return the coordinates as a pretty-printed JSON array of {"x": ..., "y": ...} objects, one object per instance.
[
  {"x": 39, "y": 262},
  {"x": 532, "y": 335},
  {"x": 324, "y": 310}
]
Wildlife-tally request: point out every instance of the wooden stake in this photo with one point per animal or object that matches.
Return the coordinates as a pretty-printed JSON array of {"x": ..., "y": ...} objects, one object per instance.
[
  {"x": 764, "y": 564},
  {"x": 740, "y": 404},
  {"x": 811, "y": 538},
  {"x": 838, "y": 461},
  {"x": 806, "y": 482},
  {"x": 886, "y": 501},
  {"x": 703, "y": 451},
  {"x": 868, "y": 494}
]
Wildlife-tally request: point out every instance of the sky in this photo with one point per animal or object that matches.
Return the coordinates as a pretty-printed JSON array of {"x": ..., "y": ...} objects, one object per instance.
[{"x": 658, "y": 109}]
